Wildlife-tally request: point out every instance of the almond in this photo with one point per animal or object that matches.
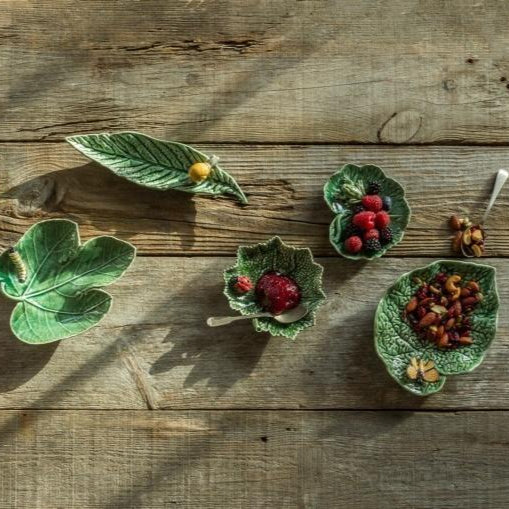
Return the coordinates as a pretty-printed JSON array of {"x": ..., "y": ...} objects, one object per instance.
[
  {"x": 455, "y": 223},
  {"x": 427, "y": 320},
  {"x": 456, "y": 242},
  {"x": 473, "y": 286},
  {"x": 412, "y": 305},
  {"x": 465, "y": 340},
  {"x": 426, "y": 302},
  {"x": 450, "y": 323},
  {"x": 444, "y": 340},
  {"x": 468, "y": 301},
  {"x": 465, "y": 292}
]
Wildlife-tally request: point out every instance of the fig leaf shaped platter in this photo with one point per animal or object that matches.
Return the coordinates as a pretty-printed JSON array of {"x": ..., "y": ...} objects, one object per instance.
[
  {"x": 398, "y": 345},
  {"x": 158, "y": 164},
  {"x": 345, "y": 189},
  {"x": 275, "y": 256},
  {"x": 56, "y": 280}
]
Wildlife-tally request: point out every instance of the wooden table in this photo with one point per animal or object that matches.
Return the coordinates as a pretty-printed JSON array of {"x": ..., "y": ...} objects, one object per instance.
[{"x": 152, "y": 409}]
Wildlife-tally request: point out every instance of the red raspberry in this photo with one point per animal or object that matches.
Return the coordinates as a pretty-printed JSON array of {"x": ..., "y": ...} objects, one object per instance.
[
  {"x": 242, "y": 284},
  {"x": 353, "y": 244},
  {"x": 364, "y": 220},
  {"x": 382, "y": 220},
  {"x": 372, "y": 234},
  {"x": 372, "y": 202},
  {"x": 277, "y": 293}
]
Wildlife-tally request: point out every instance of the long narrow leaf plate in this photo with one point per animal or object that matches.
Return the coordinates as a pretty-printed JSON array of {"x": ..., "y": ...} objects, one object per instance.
[
  {"x": 156, "y": 163},
  {"x": 56, "y": 281}
]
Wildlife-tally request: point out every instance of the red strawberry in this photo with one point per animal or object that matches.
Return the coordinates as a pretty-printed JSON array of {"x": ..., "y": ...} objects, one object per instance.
[
  {"x": 382, "y": 220},
  {"x": 277, "y": 293},
  {"x": 372, "y": 234},
  {"x": 353, "y": 244},
  {"x": 242, "y": 284},
  {"x": 372, "y": 202},
  {"x": 364, "y": 220}
]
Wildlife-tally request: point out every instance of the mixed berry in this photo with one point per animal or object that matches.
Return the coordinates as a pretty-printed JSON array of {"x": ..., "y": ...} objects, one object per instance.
[
  {"x": 440, "y": 311},
  {"x": 275, "y": 292},
  {"x": 369, "y": 230}
]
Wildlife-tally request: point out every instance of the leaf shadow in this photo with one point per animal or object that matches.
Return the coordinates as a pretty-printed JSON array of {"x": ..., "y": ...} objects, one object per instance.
[
  {"x": 90, "y": 194},
  {"x": 20, "y": 361},
  {"x": 236, "y": 347}
]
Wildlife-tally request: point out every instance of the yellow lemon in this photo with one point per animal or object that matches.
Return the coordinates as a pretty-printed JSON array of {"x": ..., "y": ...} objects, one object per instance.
[{"x": 199, "y": 172}]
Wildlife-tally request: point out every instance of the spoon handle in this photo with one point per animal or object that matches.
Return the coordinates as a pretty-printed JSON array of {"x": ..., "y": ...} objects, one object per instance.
[
  {"x": 217, "y": 321},
  {"x": 499, "y": 183}
]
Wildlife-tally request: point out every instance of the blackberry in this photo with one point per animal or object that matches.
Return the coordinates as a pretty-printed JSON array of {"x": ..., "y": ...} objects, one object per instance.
[
  {"x": 372, "y": 245},
  {"x": 358, "y": 207},
  {"x": 374, "y": 187},
  {"x": 386, "y": 235},
  {"x": 351, "y": 230},
  {"x": 386, "y": 203}
]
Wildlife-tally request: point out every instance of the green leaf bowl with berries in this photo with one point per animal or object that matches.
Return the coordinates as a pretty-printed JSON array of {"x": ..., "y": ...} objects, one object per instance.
[
  {"x": 343, "y": 193},
  {"x": 397, "y": 341},
  {"x": 274, "y": 256}
]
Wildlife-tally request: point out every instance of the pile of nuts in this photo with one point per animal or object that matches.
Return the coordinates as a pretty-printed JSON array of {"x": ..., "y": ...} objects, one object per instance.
[
  {"x": 468, "y": 239},
  {"x": 440, "y": 311}
]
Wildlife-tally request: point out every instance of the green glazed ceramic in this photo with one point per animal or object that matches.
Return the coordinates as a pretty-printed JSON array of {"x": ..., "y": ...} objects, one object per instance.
[
  {"x": 275, "y": 255},
  {"x": 346, "y": 188},
  {"x": 155, "y": 163},
  {"x": 396, "y": 342},
  {"x": 56, "y": 280}
]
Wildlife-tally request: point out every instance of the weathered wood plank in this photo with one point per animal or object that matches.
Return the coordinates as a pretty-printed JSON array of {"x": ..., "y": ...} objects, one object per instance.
[
  {"x": 284, "y": 185},
  {"x": 154, "y": 350},
  {"x": 200, "y": 70},
  {"x": 250, "y": 460}
]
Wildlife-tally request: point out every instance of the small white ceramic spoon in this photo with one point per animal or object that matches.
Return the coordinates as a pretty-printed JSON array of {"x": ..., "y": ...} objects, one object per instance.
[
  {"x": 497, "y": 187},
  {"x": 287, "y": 317}
]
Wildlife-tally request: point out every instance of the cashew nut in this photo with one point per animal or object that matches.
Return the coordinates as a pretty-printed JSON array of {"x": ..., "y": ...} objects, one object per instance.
[{"x": 450, "y": 284}]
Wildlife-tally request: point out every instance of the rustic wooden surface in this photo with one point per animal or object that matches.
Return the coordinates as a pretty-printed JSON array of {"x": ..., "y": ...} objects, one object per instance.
[{"x": 154, "y": 410}]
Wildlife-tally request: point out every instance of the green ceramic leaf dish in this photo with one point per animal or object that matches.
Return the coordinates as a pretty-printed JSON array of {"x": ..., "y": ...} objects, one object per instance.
[
  {"x": 396, "y": 342},
  {"x": 56, "y": 280},
  {"x": 275, "y": 255},
  {"x": 155, "y": 163},
  {"x": 345, "y": 189}
]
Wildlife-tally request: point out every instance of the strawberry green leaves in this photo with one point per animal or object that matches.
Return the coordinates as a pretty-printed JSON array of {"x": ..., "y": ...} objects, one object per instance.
[
  {"x": 396, "y": 343},
  {"x": 155, "y": 163},
  {"x": 275, "y": 255},
  {"x": 60, "y": 297}
]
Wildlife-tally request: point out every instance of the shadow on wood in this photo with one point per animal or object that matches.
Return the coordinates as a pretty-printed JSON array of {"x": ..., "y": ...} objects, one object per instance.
[
  {"x": 92, "y": 195},
  {"x": 236, "y": 347},
  {"x": 20, "y": 362}
]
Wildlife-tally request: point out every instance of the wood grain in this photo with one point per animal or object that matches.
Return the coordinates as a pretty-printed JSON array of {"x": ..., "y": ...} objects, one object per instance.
[
  {"x": 251, "y": 460},
  {"x": 284, "y": 186},
  {"x": 249, "y": 70},
  {"x": 154, "y": 350}
]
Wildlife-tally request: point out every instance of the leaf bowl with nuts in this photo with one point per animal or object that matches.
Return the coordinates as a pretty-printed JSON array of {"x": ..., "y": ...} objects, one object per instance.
[
  {"x": 436, "y": 321},
  {"x": 371, "y": 211}
]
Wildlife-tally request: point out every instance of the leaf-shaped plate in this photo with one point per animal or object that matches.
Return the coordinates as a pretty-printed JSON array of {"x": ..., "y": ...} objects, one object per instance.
[
  {"x": 60, "y": 296},
  {"x": 355, "y": 179},
  {"x": 155, "y": 163},
  {"x": 396, "y": 342},
  {"x": 275, "y": 255}
]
